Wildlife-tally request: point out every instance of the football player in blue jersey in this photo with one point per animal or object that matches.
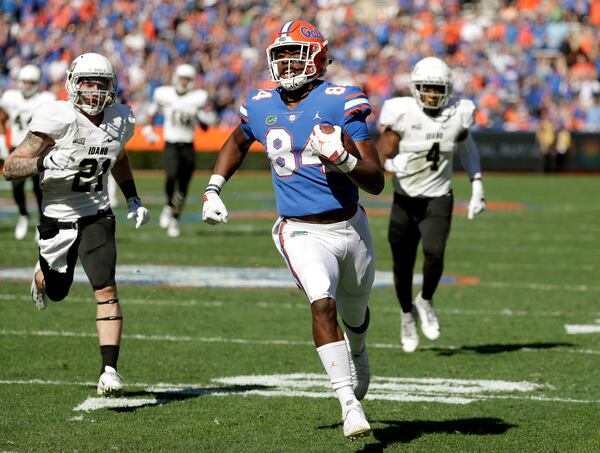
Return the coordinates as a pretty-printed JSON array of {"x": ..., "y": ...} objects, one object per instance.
[{"x": 322, "y": 232}]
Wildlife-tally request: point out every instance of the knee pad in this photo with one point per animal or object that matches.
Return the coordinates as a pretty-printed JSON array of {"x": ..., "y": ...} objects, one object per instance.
[
  {"x": 363, "y": 327},
  {"x": 434, "y": 252},
  {"x": 57, "y": 291}
]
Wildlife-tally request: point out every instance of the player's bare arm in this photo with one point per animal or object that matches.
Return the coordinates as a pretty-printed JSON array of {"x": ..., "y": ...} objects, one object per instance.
[
  {"x": 22, "y": 162},
  {"x": 121, "y": 171},
  {"x": 387, "y": 145},
  {"x": 3, "y": 120},
  {"x": 230, "y": 158},
  {"x": 232, "y": 153},
  {"x": 368, "y": 173}
]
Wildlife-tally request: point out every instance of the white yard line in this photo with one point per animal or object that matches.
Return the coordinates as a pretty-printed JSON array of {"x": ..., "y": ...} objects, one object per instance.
[
  {"x": 244, "y": 341},
  {"x": 312, "y": 385},
  {"x": 392, "y": 307},
  {"x": 540, "y": 286},
  {"x": 574, "y": 329}
]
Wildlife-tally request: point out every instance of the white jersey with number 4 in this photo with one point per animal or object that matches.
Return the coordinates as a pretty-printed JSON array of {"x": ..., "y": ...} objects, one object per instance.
[
  {"x": 180, "y": 112},
  {"x": 81, "y": 189},
  {"x": 423, "y": 165},
  {"x": 20, "y": 110}
]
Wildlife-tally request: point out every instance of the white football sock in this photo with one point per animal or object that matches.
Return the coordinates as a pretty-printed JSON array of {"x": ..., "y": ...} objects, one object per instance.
[{"x": 334, "y": 357}]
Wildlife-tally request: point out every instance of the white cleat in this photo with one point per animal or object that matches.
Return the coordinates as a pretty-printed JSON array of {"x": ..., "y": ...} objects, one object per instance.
[
  {"x": 165, "y": 217},
  {"x": 37, "y": 294},
  {"x": 173, "y": 230},
  {"x": 355, "y": 422},
  {"x": 409, "y": 337},
  {"x": 428, "y": 316},
  {"x": 110, "y": 383},
  {"x": 361, "y": 371},
  {"x": 22, "y": 227}
]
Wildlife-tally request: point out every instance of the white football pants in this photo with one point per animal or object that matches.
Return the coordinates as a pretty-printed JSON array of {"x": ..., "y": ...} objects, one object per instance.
[{"x": 335, "y": 260}]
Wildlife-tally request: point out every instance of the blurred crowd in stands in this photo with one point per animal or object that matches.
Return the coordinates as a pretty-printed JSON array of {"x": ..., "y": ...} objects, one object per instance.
[{"x": 522, "y": 62}]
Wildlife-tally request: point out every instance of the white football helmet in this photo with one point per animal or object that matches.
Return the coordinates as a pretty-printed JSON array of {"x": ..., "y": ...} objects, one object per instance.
[
  {"x": 431, "y": 71},
  {"x": 91, "y": 66},
  {"x": 184, "y": 71},
  {"x": 29, "y": 79}
]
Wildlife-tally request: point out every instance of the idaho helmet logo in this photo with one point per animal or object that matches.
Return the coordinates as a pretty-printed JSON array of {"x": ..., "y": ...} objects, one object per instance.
[{"x": 271, "y": 119}]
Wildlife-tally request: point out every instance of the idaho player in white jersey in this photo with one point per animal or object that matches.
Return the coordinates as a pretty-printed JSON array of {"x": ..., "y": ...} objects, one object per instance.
[
  {"x": 420, "y": 135},
  {"x": 16, "y": 109},
  {"x": 182, "y": 107},
  {"x": 322, "y": 232},
  {"x": 73, "y": 145}
]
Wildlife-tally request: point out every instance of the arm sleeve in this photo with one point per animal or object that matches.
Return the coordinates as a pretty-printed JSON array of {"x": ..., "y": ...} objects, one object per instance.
[
  {"x": 154, "y": 105},
  {"x": 152, "y": 109},
  {"x": 392, "y": 113},
  {"x": 469, "y": 157},
  {"x": 4, "y": 102},
  {"x": 208, "y": 117}
]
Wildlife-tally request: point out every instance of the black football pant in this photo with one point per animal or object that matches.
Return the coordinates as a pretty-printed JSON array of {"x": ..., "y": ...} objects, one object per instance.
[
  {"x": 180, "y": 163},
  {"x": 18, "y": 190},
  {"x": 413, "y": 220},
  {"x": 95, "y": 247}
]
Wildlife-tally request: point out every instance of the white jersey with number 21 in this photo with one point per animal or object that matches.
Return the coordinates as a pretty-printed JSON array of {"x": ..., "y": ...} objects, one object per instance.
[{"x": 81, "y": 189}]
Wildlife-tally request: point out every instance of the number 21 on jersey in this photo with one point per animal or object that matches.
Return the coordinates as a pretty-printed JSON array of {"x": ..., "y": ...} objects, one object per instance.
[{"x": 86, "y": 176}]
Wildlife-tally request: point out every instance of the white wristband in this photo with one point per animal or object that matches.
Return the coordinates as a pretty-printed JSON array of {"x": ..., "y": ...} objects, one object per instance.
[
  {"x": 348, "y": 164},
  {"x": 215, "y": 184}
]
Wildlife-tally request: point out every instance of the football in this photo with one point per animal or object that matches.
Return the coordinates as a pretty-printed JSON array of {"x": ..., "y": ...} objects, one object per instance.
[{"x": 349, "y": 145}]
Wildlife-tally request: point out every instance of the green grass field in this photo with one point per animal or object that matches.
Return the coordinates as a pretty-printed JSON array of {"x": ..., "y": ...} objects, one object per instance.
[{"x": 233, "y": 369}]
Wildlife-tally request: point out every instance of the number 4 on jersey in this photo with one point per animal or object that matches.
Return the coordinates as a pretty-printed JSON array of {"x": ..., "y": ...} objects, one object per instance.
[{"x": 433, "y": 156}]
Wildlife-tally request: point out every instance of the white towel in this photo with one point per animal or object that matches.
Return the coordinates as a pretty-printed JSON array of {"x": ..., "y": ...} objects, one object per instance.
[{"x": 55, "y": 250}]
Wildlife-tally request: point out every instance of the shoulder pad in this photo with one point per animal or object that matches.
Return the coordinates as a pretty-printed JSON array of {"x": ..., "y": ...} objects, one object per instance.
[
  {"x": 355, "y": 100},
  {"x": 393, "y": 111},
  {"x": 163, "y": 93},
  {"x": 259, "y": 95},
  {"x": 45, "y": 96},
  {"x": 200, "y": 96},
  {"x": 9, "y": 97},
  {"x": 53, "y": 118},
  {"x": 123, "y": 110},
  {"x": 123, "y": 116},
  {"x": 466, "y": 110}
]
